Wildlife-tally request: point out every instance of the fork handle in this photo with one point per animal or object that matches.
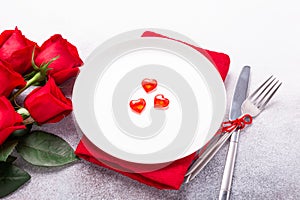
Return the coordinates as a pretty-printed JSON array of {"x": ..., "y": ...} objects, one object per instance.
[
  {"x": 202, "y": 162},
  {"x": 229, "y": 166}
]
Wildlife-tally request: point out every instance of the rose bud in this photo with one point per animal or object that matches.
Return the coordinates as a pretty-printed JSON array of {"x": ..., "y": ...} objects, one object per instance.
[
  {"x": 66, "y": 66},
  {"x": 9, "y": 79},
  {"x": 16, "y": 50},
  {"x": 47, "y": 104},
  {"x": 10, "y": 120}
]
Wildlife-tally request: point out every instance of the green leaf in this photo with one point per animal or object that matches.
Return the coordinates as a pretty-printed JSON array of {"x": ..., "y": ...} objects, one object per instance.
[
  {"x": 45, "y": 149},
  {"x": 6, "y": 149},
  {"x": 11, "y": 159},
  {"x": 11, "y": 178}
]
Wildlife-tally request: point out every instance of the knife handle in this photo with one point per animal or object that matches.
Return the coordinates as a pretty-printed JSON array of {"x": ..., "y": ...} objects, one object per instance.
[
  {"x": 229, "y": 166},
  {"x": 224, "y": 195}
]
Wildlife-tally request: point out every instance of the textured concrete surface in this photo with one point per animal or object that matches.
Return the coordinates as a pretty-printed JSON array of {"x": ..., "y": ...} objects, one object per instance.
[
  {"x": 262, "y": 34},
  {"x": 267, "y": 165}
]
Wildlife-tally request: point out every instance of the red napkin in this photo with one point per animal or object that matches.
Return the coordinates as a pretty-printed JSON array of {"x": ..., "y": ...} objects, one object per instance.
[{"x": 171, "y": 176}]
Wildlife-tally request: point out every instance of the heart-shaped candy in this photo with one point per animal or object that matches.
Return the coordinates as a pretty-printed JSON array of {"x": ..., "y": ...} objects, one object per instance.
[
  {"x": 149, "y": 84},
  {"x": 160, "y": 101},
  {"x": 137, "y": 105}
]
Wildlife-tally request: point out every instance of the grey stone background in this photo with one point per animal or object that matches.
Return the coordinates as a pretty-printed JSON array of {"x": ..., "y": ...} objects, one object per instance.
[{"x": 262, "y": 34}]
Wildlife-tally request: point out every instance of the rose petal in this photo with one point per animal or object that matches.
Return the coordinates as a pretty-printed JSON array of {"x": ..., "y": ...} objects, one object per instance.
[
  {"x": 64, "y": 75},
  {"x": 16, "y": 49},
  {"x": 9, "y": 119},
  {"x": 9, "y": 80},
  {"x": 68, "y": 58},
  {"x": 4, "y": 133},
  {"x": 48, "y": 104}
]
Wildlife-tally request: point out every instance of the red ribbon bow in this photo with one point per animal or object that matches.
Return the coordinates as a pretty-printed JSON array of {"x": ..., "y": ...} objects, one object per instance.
[{"x": 238, "y": 123}]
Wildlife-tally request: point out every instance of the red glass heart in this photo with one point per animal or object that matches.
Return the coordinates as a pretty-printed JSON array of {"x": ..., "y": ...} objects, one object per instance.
[
  {"x": 137, "y": 105},
  {"x": 160, "y": 101},
  {"x": 149, "y": 84}
]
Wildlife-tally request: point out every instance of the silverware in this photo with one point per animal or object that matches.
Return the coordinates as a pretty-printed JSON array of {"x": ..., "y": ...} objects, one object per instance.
[
  {"x": 253, "y": 105},
  {"x": 240, "y": 94},
  {"x": 201, "y": 162},
  {"x": 238, "y": 98}
]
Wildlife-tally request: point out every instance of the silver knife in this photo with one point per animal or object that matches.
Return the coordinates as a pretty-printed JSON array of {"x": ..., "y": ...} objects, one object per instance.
[
  {"x": 240, "y": 94},
  {"x": 202, "y": 161}
]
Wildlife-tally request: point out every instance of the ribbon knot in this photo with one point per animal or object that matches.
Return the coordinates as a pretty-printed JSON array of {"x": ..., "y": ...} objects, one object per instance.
[{"x": 238, "y": 123}]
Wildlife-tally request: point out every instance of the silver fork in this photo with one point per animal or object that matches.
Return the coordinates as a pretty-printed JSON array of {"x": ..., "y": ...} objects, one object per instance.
[{"x": 253, "y": 106}]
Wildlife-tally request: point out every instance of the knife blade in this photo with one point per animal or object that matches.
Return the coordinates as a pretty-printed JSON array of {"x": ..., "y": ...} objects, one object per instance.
[
  {"x": 202, "y": 161},
  {"x": 240, "y": 94}
]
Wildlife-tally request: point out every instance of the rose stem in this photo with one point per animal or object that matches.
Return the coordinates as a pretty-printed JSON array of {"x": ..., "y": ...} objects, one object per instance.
[{"x": 33, "y": 80}]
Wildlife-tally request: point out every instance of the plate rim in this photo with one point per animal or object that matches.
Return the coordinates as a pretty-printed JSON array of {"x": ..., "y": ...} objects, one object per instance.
[{"x": 134, "y": 34}]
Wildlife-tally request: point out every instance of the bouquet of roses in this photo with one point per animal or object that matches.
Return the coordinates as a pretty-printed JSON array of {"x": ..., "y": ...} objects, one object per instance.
[{"x": 23, "y": 64}]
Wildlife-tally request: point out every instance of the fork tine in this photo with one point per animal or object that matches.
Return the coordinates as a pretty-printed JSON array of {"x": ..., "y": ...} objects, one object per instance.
[
  {"x": 267, "y": 101},
  {"x": 266, "y": 87},
  {"x": 254, "y": 93},
  {"x": 259, "y": 103}
]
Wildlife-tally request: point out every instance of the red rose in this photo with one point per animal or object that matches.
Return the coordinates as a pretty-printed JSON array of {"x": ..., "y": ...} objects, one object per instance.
[
  {"x": 66, "y": 66},
  {"x": 9, "y": 79},
  {"x": 10, "y": 120},
  {"x": 16, "y": 50},
  {"x": 47, "y": 104}
]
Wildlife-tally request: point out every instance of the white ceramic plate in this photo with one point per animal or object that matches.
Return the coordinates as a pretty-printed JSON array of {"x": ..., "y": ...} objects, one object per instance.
[{"x": 112, "y": 78}]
